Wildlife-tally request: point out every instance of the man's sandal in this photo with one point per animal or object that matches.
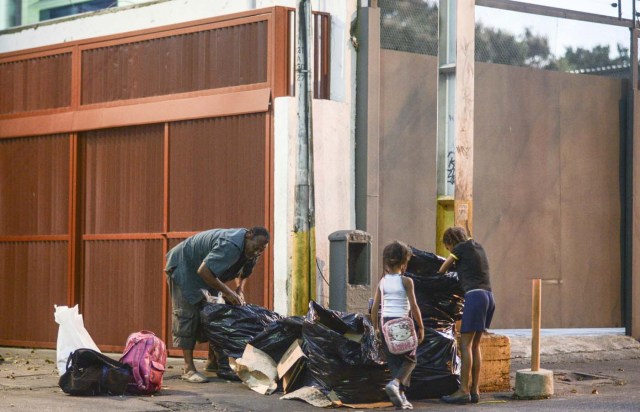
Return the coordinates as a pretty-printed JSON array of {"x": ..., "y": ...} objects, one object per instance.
[{"x": 194, "y": 377}]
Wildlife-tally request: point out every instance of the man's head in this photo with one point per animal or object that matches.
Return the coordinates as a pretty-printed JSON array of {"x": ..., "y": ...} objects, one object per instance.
[{"x": 255, "y": 241}]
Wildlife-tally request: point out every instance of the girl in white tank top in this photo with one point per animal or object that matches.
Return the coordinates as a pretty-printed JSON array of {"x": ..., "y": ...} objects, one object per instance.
[
  {"x": 396, "y": 304},
  {"x": 399, "y": 300}
]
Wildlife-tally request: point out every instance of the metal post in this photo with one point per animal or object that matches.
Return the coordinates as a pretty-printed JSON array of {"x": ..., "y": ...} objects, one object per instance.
[{"x": 303, "y": 272}]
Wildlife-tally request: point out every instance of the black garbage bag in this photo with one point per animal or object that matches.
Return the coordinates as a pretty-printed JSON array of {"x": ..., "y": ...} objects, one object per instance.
[
  {"x": 437, "y": 372},
  {"x": 228, "y": 328},
  {"x": 353, "y": 369},
  {"x": 276, "y": 338},
  {"x": 424, "y": 263},
  {"x": 441, "y": 301},
  {"x": 440, "y": 297}
]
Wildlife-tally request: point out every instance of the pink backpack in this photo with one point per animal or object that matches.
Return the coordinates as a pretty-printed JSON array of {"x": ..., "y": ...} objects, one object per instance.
[{"x": 147, "y": 356}]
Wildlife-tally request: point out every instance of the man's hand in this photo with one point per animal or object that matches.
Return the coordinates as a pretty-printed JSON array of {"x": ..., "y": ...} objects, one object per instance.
[
  {"x": 232, "y": 298},
  {"x": 240, "y": 294}
]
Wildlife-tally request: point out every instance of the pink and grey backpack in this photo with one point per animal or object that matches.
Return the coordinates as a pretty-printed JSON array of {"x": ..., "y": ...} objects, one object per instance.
[{"x": 147, "y": 356}]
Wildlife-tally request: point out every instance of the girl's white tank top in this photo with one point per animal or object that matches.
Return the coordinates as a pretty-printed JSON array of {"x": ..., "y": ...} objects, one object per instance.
[{"x": 395, "y": 303}]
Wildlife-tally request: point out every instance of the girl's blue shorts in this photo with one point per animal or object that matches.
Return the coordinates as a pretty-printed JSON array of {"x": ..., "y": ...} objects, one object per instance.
[{"x": 478, "y": 310}]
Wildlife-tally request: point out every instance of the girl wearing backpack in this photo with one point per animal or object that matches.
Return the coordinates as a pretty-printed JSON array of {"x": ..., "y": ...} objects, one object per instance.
[{"x": 396, "y": 293}]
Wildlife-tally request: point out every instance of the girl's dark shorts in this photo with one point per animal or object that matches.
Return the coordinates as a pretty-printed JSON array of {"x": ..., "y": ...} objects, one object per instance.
[{"x": 478, "y": 310}]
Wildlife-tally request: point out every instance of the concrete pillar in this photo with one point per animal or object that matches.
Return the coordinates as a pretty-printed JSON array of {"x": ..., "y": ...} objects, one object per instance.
[
  {"x": 456, "y": 62},
  {"x": 367, "y": 150}
]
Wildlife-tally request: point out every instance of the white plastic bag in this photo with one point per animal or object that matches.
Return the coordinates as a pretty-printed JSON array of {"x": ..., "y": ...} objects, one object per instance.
[{"x": 71, "y": 335}]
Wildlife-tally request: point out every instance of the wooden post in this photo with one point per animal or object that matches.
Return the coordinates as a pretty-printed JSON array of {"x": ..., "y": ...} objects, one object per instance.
[{"x": 535, "y": 325}]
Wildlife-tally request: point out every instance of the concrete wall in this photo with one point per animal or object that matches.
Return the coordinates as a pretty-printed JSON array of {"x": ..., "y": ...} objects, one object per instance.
[
  {"x": 334, "y": 187},
  {"x": 408, "y": 138},
  {"x": 546, "y": 183}
]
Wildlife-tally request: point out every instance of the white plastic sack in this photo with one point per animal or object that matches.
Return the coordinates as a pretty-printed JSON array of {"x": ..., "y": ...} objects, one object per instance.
[{"x": 71, "y": 335}]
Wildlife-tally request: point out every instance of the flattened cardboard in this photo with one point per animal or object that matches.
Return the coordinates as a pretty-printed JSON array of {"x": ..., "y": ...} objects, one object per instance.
[{"x": 291, "y": 365}]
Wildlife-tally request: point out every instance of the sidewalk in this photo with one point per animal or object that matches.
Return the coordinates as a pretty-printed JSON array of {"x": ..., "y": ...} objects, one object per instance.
[{"x": 598, "y": 372}]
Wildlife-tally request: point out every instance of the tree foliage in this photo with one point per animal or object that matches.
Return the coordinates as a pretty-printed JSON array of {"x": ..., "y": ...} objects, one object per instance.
[{"x": 412, "y": 26}]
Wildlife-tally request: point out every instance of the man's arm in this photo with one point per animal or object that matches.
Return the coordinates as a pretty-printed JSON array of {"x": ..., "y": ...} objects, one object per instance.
[
  {"x": 240, "y": 282},
  {"x": 208, "y": 277}
]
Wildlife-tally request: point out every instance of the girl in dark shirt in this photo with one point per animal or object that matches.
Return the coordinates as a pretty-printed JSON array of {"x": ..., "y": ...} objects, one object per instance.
[{"x": 471, "y": 263}]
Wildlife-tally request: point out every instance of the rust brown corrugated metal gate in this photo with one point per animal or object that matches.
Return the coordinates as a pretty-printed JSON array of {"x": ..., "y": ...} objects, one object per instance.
[{"x": 113, "y": 150}]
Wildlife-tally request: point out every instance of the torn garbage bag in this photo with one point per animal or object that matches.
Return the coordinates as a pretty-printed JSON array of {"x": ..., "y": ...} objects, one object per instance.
[
  {"x": 343, "y": 355},
  {"x": 229, "y": 328}
]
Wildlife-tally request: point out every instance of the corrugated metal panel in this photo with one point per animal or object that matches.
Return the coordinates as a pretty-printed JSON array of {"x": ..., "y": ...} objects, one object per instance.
[
  {"x": 34, "y": 185},
  {"x": 33, "y": 277},
  {"x": 121, "y": 180},
  {"x": 228, "y": 56},
  {"x": 34, "y": 84},
  {"x": 122, "y": 289},
  {"x": 217, "y": 173},
  {"x": 217, "y": 179}
]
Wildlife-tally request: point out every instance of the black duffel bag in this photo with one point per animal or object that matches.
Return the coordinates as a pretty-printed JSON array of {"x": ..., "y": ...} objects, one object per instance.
[{"x": 91, "y": 373}]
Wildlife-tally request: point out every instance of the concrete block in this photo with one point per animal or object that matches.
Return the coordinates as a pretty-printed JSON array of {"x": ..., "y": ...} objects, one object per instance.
[
  {"x": 496, "y": 363},
  {"x": 534, "y": 384}
]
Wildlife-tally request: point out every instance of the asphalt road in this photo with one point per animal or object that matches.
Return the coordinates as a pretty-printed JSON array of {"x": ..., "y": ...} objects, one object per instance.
[{"x": 28, "y": 382}]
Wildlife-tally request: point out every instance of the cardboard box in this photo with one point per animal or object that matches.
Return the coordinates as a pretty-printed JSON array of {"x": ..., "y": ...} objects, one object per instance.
[{"x": 291, "y": 366}]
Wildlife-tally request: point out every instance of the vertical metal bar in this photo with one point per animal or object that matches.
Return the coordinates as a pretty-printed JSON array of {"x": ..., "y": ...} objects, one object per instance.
[
  {"x": 316, "y": 56},
  {"x": 165, "y": 230},
  {"x": 72, "y": 243},
  {"x": 536, "y": 301},
  {"x": 268, "y": 215}
]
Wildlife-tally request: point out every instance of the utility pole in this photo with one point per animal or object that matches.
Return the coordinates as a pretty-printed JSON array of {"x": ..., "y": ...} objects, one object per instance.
[
  {"x": 456, "y": 56},
  {"x": 303, "y": 276}
]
